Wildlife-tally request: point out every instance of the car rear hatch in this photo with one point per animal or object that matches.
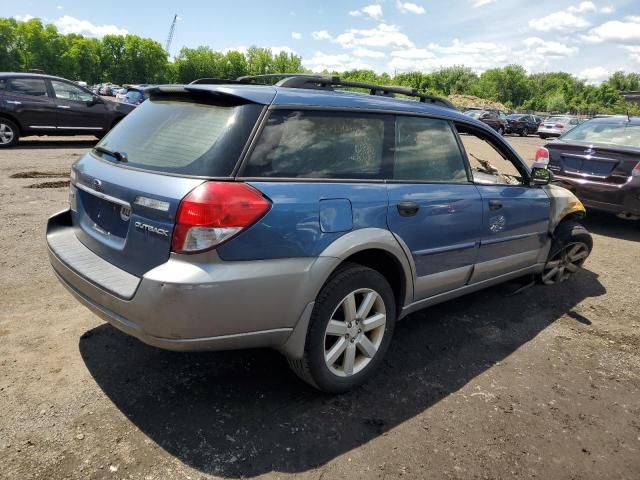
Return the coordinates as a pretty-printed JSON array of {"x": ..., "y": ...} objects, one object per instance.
[
  {"x": 125, "y": 194},
  {"x": 601, "y": 164}
]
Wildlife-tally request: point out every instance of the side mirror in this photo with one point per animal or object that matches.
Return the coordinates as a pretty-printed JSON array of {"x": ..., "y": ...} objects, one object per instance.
[{"x": 540, "y": 176}]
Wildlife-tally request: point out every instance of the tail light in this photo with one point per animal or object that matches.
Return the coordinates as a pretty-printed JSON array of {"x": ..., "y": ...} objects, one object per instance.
[
  {"x": 559, "y": 125},
  {"x": 636, "y": 170},
  {"x": 542, "y": 157},
  {"x": 215, "y": 212}
]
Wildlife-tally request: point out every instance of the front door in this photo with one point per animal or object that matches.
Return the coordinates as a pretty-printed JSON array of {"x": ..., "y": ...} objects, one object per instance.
[
  {"x": 28, "y": 100},
  {"x": 77, "y": 110},
  {"x": 434, "y": 208},
  {"x": 515, "y": 216}
]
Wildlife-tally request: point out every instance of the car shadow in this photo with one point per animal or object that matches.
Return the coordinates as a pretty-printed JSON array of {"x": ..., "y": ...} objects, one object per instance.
[
  {"x": 37, "y": 143},
  {"x": 609, "y": 225},
  {"x": 243, "y": 414}
]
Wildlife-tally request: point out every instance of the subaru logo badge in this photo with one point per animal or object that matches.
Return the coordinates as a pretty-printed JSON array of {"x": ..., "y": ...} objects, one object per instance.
[
  {"x": 97, "y": 185},
  {"x": 125, "y": 213}
]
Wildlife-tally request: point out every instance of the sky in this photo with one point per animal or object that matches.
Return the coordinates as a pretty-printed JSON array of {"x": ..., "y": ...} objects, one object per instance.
[{"x": 590, "y": 39}]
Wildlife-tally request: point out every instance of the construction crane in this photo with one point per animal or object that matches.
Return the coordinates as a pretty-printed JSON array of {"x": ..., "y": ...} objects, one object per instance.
[{"x": 170, "y": 37}]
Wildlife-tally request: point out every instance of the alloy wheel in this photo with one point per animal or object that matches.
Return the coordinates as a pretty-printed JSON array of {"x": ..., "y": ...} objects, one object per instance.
[
  {"x": 6, "y": 133},
  {"x": 565, "y": 263},
  {"x": 354, "y": 332}
]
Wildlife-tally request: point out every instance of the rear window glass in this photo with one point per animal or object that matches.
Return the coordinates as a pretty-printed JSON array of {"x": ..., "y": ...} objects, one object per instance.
[
  {"x": 319, "y": 145},
  {"x": 180, "y": 136},
  {"x": 621, "y": 134},
  {"x": 427, "y": 150},
  {"x": 29, "y": 86},
  {"x": 558, "y": 119}
]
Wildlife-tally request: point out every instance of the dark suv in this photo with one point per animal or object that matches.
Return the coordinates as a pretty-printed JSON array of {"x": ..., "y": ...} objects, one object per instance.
[
  {"x": 227, "y": 215},
  {"x": 494, "y": 118},
  {"x": 33, "y": 104}
]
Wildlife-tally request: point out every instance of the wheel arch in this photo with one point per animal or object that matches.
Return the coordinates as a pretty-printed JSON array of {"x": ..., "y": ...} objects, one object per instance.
[
  {"x": 375, "y": 248},
  {"x": 13, "y": 120}
]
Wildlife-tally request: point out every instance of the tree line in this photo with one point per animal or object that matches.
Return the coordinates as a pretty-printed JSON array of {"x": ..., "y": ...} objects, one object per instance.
[{"x": 32, "y": 45}]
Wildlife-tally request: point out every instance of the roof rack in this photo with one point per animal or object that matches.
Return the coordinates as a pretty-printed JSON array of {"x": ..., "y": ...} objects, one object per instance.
[{"x": 330, "y": 82}]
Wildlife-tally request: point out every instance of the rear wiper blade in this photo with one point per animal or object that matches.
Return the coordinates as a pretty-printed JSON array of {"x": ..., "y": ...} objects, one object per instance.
[{"x": 120, "y": 156}]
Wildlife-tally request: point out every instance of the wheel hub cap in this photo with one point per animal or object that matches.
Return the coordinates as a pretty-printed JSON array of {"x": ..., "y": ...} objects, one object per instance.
[
  {"x": 354, "y": 332},
  {"x": 565, "y": 263}
]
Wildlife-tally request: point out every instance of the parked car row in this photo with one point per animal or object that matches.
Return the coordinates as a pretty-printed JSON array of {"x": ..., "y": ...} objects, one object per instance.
[
  {"x": 106, "y": 89},
  {"x": 132, "y": 94}
]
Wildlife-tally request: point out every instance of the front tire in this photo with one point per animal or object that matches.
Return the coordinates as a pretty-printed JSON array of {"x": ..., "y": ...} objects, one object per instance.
[
  {"x": 500, "y": 131},
  {"x": 570, "y": 249},
  {"x": 349, "y": 331},
  {"x": 9, "y": 133},
  {"x": 524, "y": 132}
]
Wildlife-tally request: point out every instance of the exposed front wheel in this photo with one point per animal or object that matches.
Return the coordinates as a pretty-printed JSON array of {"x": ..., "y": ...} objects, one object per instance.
[
  {"x": 349, "y": 332},
  {"x": 9, "y": 133},
  {"x": 568, "y": 253}
]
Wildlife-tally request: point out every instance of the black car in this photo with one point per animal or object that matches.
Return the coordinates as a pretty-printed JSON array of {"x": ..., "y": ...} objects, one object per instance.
[
  {"x": 599, "y": 161},
  {"x": 521, "y": 123},
  {"x": 34, "y": 104}
]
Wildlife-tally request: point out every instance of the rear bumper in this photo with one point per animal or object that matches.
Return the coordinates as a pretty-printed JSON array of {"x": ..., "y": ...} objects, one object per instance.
[
  {"x": 195, "y": 302},
  {"x": 606, "y": 197}
]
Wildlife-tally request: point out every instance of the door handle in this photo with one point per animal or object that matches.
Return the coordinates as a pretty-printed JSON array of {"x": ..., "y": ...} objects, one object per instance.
[
  {"x": 64, "y": 106},
  {"x": 495, "y": 204},
  {"x": 14, "y": 102},
  {"x": 408, "y": 209}
]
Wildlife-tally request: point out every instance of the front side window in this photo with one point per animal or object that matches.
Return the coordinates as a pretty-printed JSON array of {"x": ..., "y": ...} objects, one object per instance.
[
  {"x": 314, "y": 144},
  {"x": 427, "y": 150},
  {"x": 34, "y": 87},
  {"x": 66, "y": 91}
]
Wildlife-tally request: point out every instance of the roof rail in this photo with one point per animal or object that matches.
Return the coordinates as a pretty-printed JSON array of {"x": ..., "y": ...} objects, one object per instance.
[{"x": 329, "y": 82}]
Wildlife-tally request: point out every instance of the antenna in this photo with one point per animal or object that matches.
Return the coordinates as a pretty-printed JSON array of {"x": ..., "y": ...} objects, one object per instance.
[{"x": 170, "y": 36}]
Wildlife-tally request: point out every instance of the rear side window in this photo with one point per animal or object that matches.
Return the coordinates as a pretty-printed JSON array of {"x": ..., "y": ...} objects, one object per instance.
[
  {"x": 184, "y": 135},
  {"x": 312, "y": 144},
  {"x": 427, "y": 150},
  {"x": 35, "y": 87}
]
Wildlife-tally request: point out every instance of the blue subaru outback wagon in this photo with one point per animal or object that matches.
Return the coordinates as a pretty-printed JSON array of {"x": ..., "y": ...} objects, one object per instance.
[{"x": 298, "y": 216}]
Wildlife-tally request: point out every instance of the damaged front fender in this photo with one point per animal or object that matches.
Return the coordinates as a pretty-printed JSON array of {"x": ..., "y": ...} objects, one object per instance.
[{"x": 563, "y": 204}]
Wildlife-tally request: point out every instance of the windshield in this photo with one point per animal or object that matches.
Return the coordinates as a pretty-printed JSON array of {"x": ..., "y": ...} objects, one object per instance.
[
  {"x": 515, "y": 117},
  {"x": 474, "y": 113},
  {"x": 180, "y": 136},
  {"x": 620, "y": 134},
  {"x": 558, "y": 119}
]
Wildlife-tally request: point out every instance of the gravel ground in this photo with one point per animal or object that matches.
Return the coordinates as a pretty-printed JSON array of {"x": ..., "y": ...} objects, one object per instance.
[{"x": 544, "y": 383}]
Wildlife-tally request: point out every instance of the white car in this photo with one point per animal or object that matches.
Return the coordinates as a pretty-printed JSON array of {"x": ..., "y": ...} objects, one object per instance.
[{"x": 556, "y": 126}]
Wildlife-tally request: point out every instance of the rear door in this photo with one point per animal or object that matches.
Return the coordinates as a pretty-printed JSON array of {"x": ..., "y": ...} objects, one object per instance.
[
  {"x": 77, "y": 109},
  {"x": 434, "y": 208},
  {"x": 125, "y": 210},
  {"x": 28, "y": 100},
  {"x": 515, "y": 216}
]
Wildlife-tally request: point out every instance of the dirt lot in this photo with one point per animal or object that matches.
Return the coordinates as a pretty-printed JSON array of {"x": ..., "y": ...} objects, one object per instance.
[{"x": 544, "y": 383}]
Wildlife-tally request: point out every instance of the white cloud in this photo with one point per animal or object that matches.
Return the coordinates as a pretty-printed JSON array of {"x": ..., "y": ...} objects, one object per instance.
[
  {"x": 478, "y": 56},
  {"x": 24, "y": 18},
  {"x": 583, "y": 7},
  {"x": 408, "y": 7},
  {"x": 607, "y": 10},
  {"x": 373, "y": 11},
  {"x": 594, "y": 75},
  {"x": 274, "y": 50},
  {"x": 321, "y": 35},
  {"x": 378, "y": 37},
  {"x": 67, "y": 24},
  {"x": 59, "y": 7},
  {"x": 296, "y": 35},
  {"x": 634, "y": 53},
  {"x": 559, "y": 22},
  {"x": 365, "y": 52},
  {"x": 549, "y": 48},
  {"x": 481, "y": 3},
  {"x": 339, "y": 62},
  {"x": 616, "y": 31}
]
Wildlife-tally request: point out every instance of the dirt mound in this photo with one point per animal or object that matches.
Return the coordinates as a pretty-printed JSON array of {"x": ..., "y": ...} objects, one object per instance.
[
  {"x": 39, "y": 174},
  {"x": 57, "y": 184},
  {"x": 464, "y": 102}
]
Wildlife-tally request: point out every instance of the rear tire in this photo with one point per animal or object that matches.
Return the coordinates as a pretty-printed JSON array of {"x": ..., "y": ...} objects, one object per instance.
[
  {"x": 570, "y": 249},
  {"x": 349, "y": 331},
  {"x": 543, "y": 137},
  {"x": 9, "y": 133}
]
